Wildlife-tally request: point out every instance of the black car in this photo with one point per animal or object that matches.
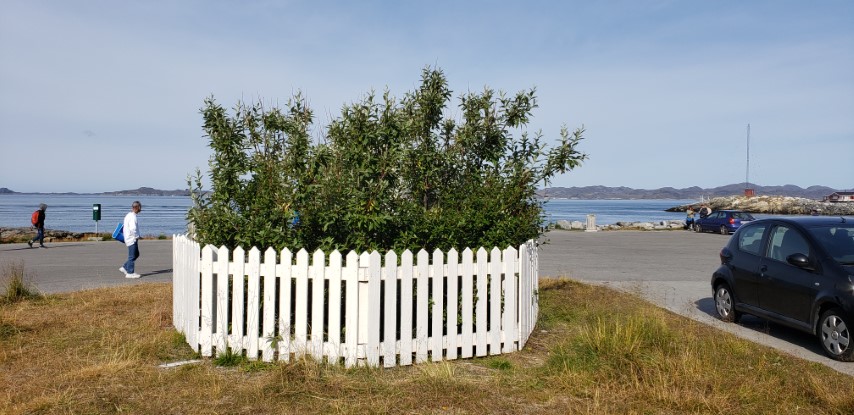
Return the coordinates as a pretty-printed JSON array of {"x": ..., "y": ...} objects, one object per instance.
[{"x": 796, "y": 271}]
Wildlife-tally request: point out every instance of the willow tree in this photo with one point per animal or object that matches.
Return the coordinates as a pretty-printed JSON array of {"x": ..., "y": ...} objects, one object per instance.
[{"x": 387, "y": 174}]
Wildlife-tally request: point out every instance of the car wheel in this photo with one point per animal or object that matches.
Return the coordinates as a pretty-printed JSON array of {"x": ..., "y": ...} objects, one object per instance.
[
  {"x": 835, "y": 336},
  {"x": 724, "y": 230},
  {"x": 725, "y": 304},
  {"x": 698, "y": 228}
]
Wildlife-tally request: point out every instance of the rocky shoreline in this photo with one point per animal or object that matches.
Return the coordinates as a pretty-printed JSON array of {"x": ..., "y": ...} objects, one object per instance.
[
  {"x": 23, "y": 234},
  {"x": 662, "y": 225},
  {"x": 780, "y": 205}
]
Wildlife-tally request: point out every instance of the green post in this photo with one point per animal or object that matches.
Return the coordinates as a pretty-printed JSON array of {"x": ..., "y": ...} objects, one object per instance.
[{"x": 96, "y": 215}]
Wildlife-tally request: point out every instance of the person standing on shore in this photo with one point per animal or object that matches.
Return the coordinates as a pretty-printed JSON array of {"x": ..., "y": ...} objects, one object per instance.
[
  {"x": 39, "y": 225},
  {"x": 689, "y": 218},
  {"x": 131, "y": 234}
]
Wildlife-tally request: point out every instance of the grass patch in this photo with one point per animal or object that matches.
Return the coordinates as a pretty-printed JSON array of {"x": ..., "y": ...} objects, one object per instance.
[
  {"x": 595, "y": 351},
  {"x": 230, "y": 359},
  {"x": 16, "y": 284}
]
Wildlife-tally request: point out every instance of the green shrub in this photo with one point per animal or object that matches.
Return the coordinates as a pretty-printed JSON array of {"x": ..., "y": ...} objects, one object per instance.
[{"x": 387, "y": 174}]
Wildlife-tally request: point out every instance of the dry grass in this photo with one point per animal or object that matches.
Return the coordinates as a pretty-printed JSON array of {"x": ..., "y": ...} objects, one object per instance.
[
  {"x": 15, "y": 284},
  {"x": 595, "y": 351}
]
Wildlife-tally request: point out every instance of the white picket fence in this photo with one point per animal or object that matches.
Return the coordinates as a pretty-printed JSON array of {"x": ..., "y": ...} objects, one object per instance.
[{"x": 362, "y": 311}]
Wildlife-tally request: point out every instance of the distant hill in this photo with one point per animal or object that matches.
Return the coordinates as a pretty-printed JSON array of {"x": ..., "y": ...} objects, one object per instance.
[
  {"x": 147, "y": 191},
  {"x": 604, "y": 192},
  {"x": 142, "y": 191}
]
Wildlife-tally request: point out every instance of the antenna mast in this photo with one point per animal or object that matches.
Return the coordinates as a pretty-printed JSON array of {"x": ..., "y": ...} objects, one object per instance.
[
  {"x": 747, "y": 175},
  {"x": 748, "y": 191}
]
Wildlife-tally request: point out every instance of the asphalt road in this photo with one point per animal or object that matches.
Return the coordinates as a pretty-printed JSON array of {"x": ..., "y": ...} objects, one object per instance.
[
  {"x": 669, "y": 268},
  {"x": 74, "y": 266}
]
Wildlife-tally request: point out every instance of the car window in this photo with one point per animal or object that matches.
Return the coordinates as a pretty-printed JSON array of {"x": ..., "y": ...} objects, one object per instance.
[
  {"x": 714, "y": 215},
  {"x": 786, "y": 241},
  {"x": 742, "y": 216},
  {"x": 750, "y": 239},
  {"x": 838, "y": 241}
]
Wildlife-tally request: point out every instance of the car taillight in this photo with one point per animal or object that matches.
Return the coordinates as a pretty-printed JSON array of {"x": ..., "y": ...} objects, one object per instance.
[{"x": 731, "y": 221}]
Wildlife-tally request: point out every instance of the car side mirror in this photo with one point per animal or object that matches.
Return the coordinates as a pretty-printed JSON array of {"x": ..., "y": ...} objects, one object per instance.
[{"x": 800, "y": 261}]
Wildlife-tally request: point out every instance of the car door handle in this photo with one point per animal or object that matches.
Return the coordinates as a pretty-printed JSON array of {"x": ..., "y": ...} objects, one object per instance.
[{"x": 762, "y": 270}]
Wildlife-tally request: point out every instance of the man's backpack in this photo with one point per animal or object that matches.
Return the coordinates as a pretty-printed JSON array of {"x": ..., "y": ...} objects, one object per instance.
[{"x": 35, "y": 218}]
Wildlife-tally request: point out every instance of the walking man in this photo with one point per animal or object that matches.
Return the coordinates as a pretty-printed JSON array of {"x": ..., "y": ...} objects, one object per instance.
[
  {"x": 131, "y": 234},
  {"x": 38, "y": 222}
]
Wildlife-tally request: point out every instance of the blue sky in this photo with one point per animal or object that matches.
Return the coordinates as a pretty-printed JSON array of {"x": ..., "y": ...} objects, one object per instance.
[{"x": 103, "y": 95}]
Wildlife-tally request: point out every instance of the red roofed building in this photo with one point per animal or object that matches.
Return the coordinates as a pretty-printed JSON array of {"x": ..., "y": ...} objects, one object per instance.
[{"x": 839, "y": 197}]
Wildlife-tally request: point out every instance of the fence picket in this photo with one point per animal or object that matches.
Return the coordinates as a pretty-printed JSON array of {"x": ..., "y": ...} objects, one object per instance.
[
  {"x": 494, "y": 334},
  {"x": 511, "y": 306},
  {"x": 372, "y": 347},
  {"x": 437, "y": 272},
  {"x": 333, "y": 274},
  {"x": 421, "y": 291},
  {"x": 406, "y": 295},
  {"x": 468, "y": 304},
  {"x": 268, "y": 327},
  {"x": 480, "y": 304},
  {"x": 253, "y": 303},
  {"x": 192, "y": 300},
  {"x": 208, "y": 306},
  {"x": 525, "y": 300},
  {"x": 317, "y": 278},
  {"x": 452, "y": 277},
  {"x": 222, "y": 297},
  {"x": 350, "y": 275},
  {"x": 236, "y": 269},
  {"x": 389, "y": 332},
  {"x": 533, "y": 267},
  {"x": 284, "y": 271},
  {"x": 300, "y": 274}
]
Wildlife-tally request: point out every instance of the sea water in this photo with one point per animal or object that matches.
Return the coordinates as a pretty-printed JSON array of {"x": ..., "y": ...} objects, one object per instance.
[
  {"x": 161, "y": 215},
  {"x": 167, "y": 215}
]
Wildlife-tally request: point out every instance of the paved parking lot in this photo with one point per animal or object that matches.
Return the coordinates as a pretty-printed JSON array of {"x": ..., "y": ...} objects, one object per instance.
[
  {"x": 672, "y": 269},
  {"x": 669, "y": 268}
]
